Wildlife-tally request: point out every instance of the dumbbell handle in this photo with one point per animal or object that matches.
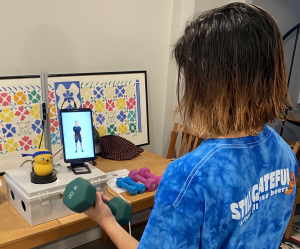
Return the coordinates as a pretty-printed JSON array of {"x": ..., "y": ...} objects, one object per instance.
[
  {"x": 112, "y": 207},
  {"x": 149, "y": 175},
  {"x": 150, "y": 183},
  {"x": 80, "y": 195},
  {"x": 112, "y": 204},
  {"x": 132, "y": 189},
  {"x": 140, "y": 187},
  {"x": 140, "y": 178}
]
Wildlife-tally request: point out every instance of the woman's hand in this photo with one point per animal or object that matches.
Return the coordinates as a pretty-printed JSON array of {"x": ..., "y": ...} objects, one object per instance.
[{"x": 101, "y": 213}]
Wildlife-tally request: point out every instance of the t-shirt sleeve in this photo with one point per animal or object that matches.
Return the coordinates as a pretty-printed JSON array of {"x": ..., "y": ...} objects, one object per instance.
[
  {"x": 169, "y": 228},
  {"x": 74, "y": 128}
]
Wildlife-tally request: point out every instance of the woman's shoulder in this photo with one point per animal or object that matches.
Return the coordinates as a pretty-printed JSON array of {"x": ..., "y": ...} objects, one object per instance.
[{"x": 179, "y": 172}]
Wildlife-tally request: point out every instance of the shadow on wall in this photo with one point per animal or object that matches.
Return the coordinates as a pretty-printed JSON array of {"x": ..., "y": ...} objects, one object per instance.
[
  {"x": 286, "y": 14},
  {"x": 290, "y": 131},
  {"x": 49, "y": 48},
  {"x": 151, "y": 119}
]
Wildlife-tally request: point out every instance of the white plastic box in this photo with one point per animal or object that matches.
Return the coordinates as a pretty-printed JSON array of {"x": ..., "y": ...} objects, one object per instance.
[{"x": 39, "y": 203}]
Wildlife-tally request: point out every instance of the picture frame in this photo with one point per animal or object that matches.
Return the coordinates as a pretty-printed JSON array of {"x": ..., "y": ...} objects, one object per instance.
[{"x": 118, "y": 99}]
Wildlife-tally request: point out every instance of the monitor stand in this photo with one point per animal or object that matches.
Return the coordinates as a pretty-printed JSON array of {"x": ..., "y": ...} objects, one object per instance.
[{"x": 80, "y": 168}]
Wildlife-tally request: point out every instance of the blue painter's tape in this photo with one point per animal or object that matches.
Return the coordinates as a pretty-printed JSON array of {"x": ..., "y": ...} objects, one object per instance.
[{"x": 137, "y": 84}]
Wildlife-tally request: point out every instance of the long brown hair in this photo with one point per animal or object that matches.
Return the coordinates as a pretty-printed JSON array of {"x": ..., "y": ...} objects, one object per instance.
[{"x": 231, "y": 71}]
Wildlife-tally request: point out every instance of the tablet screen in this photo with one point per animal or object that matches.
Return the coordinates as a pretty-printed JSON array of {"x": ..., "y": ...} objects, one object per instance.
[{"x": 77, "y": 134}]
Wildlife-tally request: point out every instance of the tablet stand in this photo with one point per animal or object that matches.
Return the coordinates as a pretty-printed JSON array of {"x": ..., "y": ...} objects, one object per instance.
[{"x": 80, "y": 168}]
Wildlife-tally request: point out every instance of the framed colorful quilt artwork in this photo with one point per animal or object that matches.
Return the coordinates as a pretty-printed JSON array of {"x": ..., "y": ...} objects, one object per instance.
[{"x": 118, "y": 101}]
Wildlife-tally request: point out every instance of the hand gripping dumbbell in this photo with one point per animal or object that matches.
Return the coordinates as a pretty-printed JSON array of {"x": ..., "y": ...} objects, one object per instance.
[
  {"x": 80, "y": 195},
  {"x": 122, "y": 184},
  {"x": 150, "y": 183},
  {"x": 141, "y": 187},
  {"x": 145, "y": 172}
]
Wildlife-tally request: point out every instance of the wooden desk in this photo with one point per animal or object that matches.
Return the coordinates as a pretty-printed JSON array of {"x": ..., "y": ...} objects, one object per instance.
[{"x": 16, "y": 233}]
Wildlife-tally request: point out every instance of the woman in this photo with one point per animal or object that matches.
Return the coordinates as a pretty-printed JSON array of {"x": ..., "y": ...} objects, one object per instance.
[{"x": 236, "y": 190}]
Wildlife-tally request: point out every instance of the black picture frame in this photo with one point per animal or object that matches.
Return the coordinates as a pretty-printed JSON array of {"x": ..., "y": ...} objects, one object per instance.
[{"x": 92, "y": 74}]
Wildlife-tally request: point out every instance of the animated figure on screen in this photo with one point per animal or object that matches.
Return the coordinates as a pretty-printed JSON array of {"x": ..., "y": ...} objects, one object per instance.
[{"x": 77, "y": 135}]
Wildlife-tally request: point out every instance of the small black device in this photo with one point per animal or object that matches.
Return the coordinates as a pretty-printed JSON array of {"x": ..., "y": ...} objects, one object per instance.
[
  {"x": 43, "y": 111},
  {"x": 77, "y": 137}
]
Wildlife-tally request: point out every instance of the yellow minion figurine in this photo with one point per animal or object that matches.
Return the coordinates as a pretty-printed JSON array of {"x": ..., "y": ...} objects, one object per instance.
[{"x": 42, "y": 162}]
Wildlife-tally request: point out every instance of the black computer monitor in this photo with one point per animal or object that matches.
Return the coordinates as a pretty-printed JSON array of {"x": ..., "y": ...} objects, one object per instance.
[{"x": 77, "y": 137}]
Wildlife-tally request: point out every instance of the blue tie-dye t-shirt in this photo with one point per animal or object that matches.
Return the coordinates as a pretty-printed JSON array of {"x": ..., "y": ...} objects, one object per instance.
[{"x": 228, "y": 193}]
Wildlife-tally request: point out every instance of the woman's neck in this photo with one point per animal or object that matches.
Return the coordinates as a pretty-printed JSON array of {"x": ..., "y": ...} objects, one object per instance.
[
  {"x": 235, "y": 134},
  {"x": 232, "y": 135}
]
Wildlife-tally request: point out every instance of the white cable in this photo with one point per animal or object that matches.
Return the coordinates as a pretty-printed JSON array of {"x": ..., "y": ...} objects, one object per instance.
[{"x": 129, "y": 228}]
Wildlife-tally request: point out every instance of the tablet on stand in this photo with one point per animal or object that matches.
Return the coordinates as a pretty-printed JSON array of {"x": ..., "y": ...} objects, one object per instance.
[{"x": 77, "y": 137}]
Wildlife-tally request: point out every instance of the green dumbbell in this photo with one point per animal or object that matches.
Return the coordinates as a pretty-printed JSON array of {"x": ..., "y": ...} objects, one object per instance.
[{"x": 80, "y": 195}]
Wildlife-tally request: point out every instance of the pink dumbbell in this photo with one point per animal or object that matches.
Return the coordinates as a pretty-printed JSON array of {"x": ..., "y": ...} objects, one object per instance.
[
  {"x": 145, "y": 172},
  {"x": 150, "y": 183}
]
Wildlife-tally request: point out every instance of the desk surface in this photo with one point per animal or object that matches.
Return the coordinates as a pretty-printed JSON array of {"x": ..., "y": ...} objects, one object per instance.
[{"x": 17, "y": 233}]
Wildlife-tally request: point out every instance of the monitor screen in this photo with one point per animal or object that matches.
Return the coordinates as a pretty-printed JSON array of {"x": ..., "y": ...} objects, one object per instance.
[{"x": 77, "y": 132}]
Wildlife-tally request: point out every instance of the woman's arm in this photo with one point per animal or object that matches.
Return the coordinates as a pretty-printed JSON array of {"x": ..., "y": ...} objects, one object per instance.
[
  {"x": 120, "y": 237},
  {"x": 101, "y": 214}
]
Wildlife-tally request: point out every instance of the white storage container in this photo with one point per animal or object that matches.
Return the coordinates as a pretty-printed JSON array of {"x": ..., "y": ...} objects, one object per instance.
[{"x": 39, "y": 203}]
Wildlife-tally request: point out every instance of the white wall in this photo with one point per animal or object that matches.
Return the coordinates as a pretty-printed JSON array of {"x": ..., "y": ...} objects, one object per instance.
[
  {"x": 203, "y": 5},
  {"x": 75, "y": 36},
  {"x": 99, "y": 36},
  {"x": 183, "y": 10}
]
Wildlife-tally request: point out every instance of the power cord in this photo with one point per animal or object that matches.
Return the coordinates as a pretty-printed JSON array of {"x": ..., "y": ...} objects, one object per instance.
[
  {"x": 42, "y": 134},
  {"x": 75, "y": 106},
  {"x": 66, "y": 100},
  {"x": 32, "y": 160},
  {"x": 57, "y": 152},
  {"x": 25, "y": 162}
]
